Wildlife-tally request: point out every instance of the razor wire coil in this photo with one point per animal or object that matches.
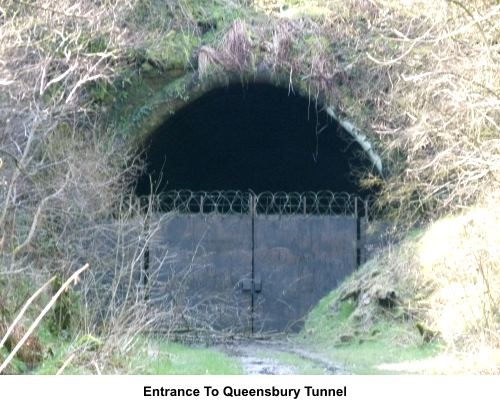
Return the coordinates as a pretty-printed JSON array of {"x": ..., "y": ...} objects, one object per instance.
[{"x": 264, "y": 203}]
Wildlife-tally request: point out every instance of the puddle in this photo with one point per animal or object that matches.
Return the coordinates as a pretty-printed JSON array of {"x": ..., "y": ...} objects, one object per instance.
[{"x": 257, "y": 365}]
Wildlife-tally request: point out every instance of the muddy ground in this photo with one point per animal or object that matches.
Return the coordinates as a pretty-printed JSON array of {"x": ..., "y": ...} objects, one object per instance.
[{"x": 278, "y": 357}]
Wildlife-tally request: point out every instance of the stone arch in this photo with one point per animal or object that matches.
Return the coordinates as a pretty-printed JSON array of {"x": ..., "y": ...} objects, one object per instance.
[
  {"x": 187, "y": 90},
  {"x": 180, "y": 91}
]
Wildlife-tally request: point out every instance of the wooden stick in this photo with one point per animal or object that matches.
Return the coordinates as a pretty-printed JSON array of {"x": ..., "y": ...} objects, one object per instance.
[
  {"x": 35, "y": 323},
  {"x": 23, "y": 310},
  {"x": 65, "y": 364}
]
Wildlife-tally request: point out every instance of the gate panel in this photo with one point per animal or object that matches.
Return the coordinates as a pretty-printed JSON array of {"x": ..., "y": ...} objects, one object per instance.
[
  {"x": 203, "y": 262},
  {"x": 297, "y": 260}
]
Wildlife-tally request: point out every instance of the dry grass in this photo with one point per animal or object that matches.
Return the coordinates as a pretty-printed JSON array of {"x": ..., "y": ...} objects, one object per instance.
[
  {"x": 422, "y": 78},
  {"x": 482, "y": 361},
  {"x": 459, "y": 257},
  {"x": 446, "y": 282},
  {"x": 63, "y": 175},
  {"x": 233, "y": 54}
]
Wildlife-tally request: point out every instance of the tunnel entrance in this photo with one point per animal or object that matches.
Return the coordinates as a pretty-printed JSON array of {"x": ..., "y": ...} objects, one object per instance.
[
  {"x": 265, "y": 212},
  {"x": 256, "y": 137}
]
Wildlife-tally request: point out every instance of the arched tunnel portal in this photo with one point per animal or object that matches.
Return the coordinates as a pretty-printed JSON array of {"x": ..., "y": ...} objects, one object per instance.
[
  {"x": 260, "y": 270},
  {"x": 258, "y": 137}
]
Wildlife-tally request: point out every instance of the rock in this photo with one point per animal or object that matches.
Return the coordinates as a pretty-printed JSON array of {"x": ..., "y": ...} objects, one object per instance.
[
  {"x": 386, "y": 298},
  {"x": 427, "y": 334},
  {"x": 346, "y": 338}
]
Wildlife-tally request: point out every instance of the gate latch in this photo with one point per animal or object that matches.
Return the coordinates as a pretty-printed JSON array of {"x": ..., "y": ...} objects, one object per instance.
[{"x": 247, "y": 284}]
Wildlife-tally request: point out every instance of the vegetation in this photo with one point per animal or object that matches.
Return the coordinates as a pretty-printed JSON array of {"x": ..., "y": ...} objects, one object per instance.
[
  {"x": 419, "y": 78},
  {"x": 147, "y": 356},
  {"x": 174, "y": 358},
  {"x": 341, "y": 332},
  {"x": 430, "y": 296}
]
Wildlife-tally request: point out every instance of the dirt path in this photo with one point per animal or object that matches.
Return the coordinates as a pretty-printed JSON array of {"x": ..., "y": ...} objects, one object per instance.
[{"x": 278, "y": 357}]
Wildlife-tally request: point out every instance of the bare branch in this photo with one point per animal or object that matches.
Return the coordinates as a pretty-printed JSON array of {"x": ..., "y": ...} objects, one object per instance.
[{"x": 73, "y": 278}]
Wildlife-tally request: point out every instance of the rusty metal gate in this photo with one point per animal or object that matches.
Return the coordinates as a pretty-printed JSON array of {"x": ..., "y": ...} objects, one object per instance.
[{"x": 246, "y": 263}]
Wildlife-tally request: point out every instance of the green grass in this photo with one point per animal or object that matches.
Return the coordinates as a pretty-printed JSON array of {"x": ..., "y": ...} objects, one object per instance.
[
  {"x": 16, "y": 366},
  {"x": 149, "y": 356},
  {"x": 162, "y": 358},
  {"x": 58, "y": 349},
  {"x": 358, "y": 349},
  {"x": 323, "y": 323},
  {"x": 363, "y": 355}
]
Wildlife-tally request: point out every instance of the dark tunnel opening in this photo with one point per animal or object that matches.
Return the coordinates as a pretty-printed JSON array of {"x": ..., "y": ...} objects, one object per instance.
[{"x": 257, "y": 137}]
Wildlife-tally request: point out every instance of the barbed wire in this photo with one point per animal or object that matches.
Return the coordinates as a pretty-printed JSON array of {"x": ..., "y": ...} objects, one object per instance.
[{"x": 265, "y": 203}]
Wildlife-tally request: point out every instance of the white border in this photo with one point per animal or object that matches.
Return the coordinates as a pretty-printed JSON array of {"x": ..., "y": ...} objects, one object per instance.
[{"x": 366, "y": 390}]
